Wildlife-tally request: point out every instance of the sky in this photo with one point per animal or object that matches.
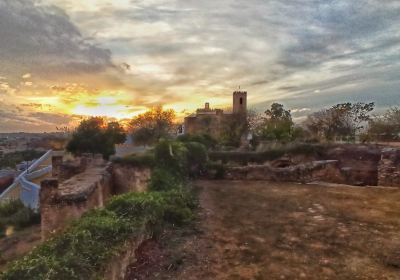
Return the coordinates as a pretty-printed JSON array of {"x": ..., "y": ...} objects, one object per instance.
[{"x": 63, "y": 60}]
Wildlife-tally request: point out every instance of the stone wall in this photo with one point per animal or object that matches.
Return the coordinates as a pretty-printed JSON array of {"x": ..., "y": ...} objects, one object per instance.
[
  {"x": 307, "y": 172},
  {"x": 128, "y": 178},
  {"x": 389, "y": 168},
  {"x": 85, "y": 183},
  {"x": 62, "y": 202},
  {"x": 117, "y": 266}
]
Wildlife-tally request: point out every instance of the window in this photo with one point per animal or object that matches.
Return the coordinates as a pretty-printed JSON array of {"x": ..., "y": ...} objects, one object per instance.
[{"x": 241, "y": 101}]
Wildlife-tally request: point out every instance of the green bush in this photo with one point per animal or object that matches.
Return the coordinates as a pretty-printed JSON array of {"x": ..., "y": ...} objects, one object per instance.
[
  {"x": 14, "y": 213},
  {"x": 83, "y": 250},
  {"x": 171, "y": 156},
  {"x": 162, "y": 180},
  {"x": 205, "y": 139},
  {"x": 196, "y": 157},
  {"x": 145, "y": 160}
]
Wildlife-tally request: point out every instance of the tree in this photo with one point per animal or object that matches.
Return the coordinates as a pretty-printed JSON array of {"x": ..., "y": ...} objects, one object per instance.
[
  {"x": 151, "y": 126},
  {"x": 342, "y": 120},
  {"x": 94, "y": 135},
  {"x": 276, "y": 125},
  {"x": 387, "y": 126},
  {"x": 233, "y": 128}
]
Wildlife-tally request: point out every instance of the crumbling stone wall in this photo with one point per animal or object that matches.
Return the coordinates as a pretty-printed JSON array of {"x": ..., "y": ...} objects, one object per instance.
[
  {"x": 83, "y": 184},
  {"x": 62, "y": 202},
  {"x": 118, "y": 266},
  {"x": 297, "y": 173},
  {"x": 389, "y": 168},
  {"x": 128, "y": 178}
]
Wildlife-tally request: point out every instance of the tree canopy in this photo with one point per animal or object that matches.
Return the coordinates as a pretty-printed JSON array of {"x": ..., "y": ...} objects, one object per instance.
[
  {"x": 341, "y": 120},
  {"x": 276, "y": 124},
  {"x": 387, "y": 126},
  {"x": 95, "y": 135},
  {"x": 149, "y": 127}
]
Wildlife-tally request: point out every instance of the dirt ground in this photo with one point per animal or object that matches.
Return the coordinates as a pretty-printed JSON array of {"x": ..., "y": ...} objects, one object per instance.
[
  {"x": 18, "y": 244},
  {"x": 260, "y": 230}
]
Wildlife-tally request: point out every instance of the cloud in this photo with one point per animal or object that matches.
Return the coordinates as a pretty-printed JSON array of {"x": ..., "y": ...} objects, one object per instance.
[
  {"x": 41, "y": 39},
  {"x": 305, "y": 54}
]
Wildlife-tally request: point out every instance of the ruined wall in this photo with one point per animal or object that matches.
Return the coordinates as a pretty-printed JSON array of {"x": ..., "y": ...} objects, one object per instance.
[
  {"x": 117, "y": 267},
  {"x": 298, "y": 173},
  {"x": 89, "y": 185},
  {"x": 62, "y": 202},
  {"x": 389, "y": 168},
  {"x": 358, "y": 163},
  {"x": 128, "y": 178}
]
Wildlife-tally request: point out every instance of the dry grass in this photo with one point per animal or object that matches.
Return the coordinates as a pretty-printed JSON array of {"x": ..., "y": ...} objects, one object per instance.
[{"x": 260, "y": 230}]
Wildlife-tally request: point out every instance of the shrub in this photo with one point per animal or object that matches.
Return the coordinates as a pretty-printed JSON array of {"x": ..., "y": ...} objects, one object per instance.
[
  {"x": 82, "y": 251},
  {"x": 162, "y": 180},
  {"x": 197, "y": 158},
  {"x": 171, "y": 156},
  {"x": 205, "y": 139},
  {"x": 145, "y": 160},
  {"x": 14, "y": 213}
]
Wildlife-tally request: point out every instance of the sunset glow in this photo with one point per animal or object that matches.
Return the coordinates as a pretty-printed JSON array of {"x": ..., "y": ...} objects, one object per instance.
[{"x": 120, "y": 58}]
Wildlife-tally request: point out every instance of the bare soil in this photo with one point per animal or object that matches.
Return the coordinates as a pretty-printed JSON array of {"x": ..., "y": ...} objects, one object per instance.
[
  {"x": 18, "y": 244},
  {"x": 261, "y": 230}
]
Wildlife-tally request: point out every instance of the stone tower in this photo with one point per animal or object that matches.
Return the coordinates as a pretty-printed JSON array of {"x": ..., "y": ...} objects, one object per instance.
[{"x": 240, "y": 102}]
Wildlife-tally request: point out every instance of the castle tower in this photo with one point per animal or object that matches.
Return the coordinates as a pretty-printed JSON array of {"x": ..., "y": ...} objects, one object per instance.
[{"x": 240, "y": 102}]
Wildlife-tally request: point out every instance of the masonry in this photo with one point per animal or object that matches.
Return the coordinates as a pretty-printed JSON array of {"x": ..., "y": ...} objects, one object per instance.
[
  {"x": 344, "y": 164},
  {"x": 89, "y": 184},
  {"x": 211, "y": 121}
]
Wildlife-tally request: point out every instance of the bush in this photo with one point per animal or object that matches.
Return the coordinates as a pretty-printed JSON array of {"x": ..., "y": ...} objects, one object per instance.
[
  {"x": 14, "y": 213},
  {"x": 205, "y": 139},
  {"x": 145, "y": 160},
  {"x": 83, "y": 250},
  {"x": 162, "y": 180},
  {"x": 197, "y": 158},
  {"x": 171, "y": 156}
]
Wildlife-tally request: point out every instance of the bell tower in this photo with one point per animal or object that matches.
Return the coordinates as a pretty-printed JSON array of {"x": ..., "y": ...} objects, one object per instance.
[{"x": 240, "y": 102}]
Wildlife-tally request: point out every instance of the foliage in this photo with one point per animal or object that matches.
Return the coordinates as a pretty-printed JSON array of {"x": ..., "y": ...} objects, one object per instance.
[
  {"x": 82, "y": 251},
  {"x": 139, "y": 160},
  {"x": 172, "y": 156},
  {"x": 196, "y": 157},
  {"x": 277, "y": 125},
  {"x": 14, "y": 213},
  {"x": 13, "y": 158},
  {"x": 385, "y": 127},
  {"x": 205, "y": 139},
  {"x": 272, "y": 154},
  {"x": 151, "y": 126},
  {"x": 162, "y": 180},
  {"x": 342, "y": 120},
  {"x": 94, "y": 135},
  {"x": 233, "y": 129}
]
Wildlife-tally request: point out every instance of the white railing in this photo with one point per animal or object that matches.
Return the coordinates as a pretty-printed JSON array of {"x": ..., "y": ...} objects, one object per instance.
[{"x": 25, "y": 190}]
